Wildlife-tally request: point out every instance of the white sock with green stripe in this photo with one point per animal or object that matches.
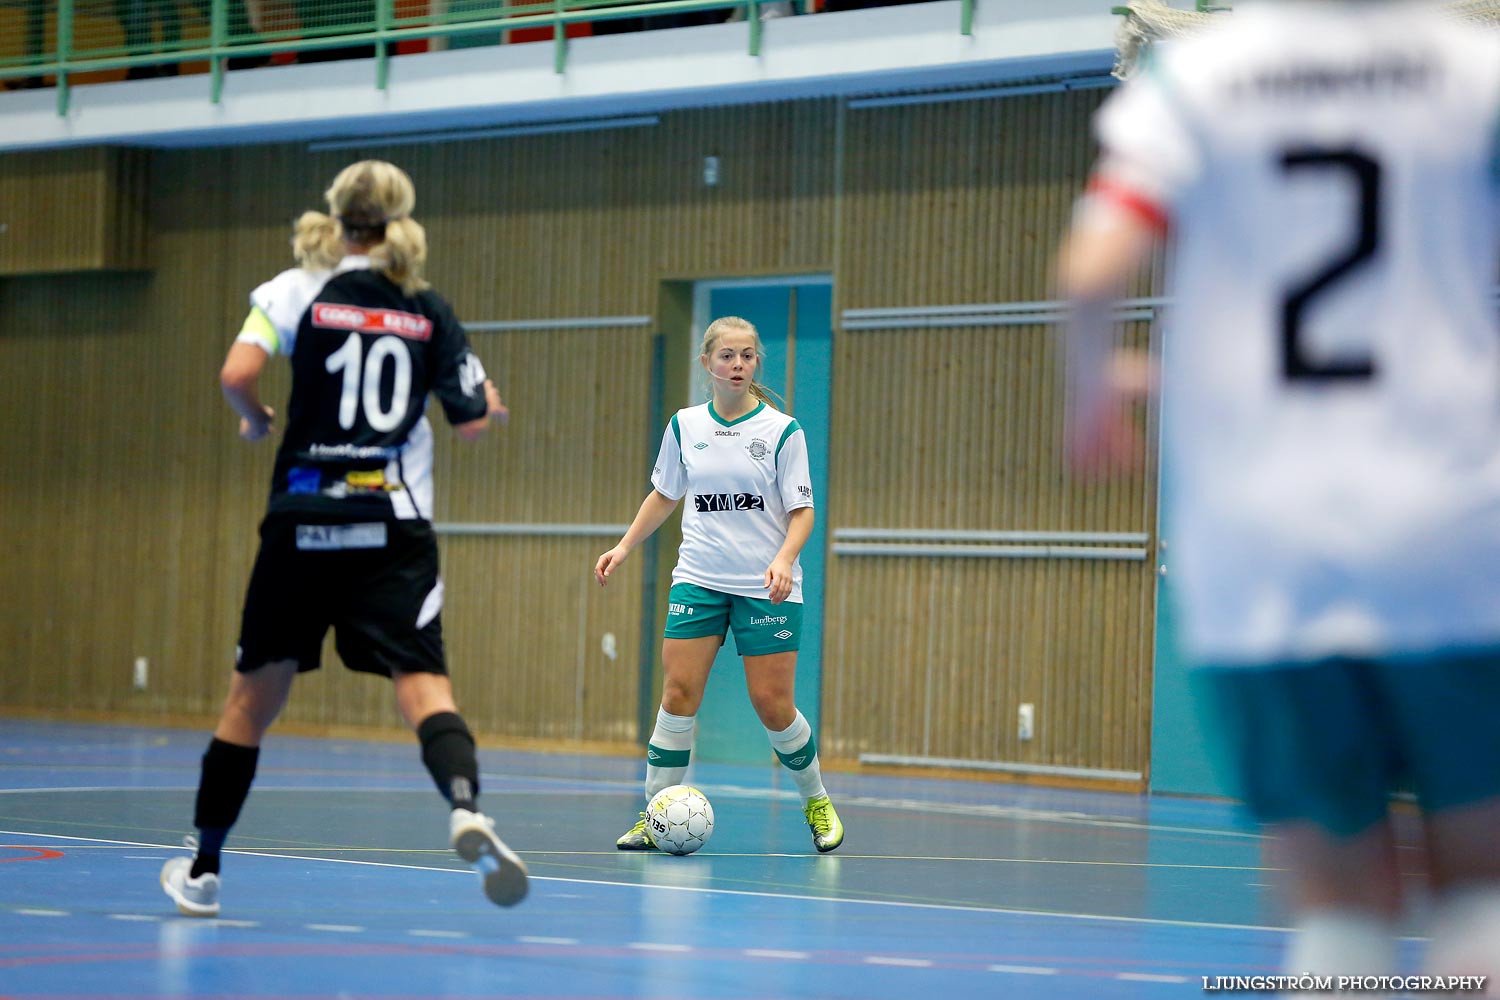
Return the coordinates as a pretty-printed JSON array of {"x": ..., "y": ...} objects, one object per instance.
[
  {"x": 669, "y": 750},
  {"x": 798, "y": 752}
]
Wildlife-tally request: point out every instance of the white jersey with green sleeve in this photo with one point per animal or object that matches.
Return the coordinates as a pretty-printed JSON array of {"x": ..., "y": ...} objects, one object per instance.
[
  {"x": 740, "y": 480},
  {"x": 1331, "y": 376}
]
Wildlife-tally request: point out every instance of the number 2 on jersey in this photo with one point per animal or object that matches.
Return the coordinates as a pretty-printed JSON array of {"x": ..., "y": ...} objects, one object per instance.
[
  {"x": 362, "y": 381},
  {"x": 1364, "y": 172}
]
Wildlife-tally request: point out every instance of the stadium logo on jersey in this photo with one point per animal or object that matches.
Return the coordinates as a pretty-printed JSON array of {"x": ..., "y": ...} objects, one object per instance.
[
  {"x": 705, "y": 502},
  {"x": 758, "y": 449},
  {"x": 727, "y": 434},
  {"x": 403, "y": 324}
]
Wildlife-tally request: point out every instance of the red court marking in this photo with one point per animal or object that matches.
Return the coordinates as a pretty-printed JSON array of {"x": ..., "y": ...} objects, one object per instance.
[{"x": 38, "y": 854}]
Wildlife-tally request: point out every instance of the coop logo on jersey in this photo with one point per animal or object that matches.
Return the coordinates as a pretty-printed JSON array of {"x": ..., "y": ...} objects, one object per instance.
[
  {"x": 340, "y": 317},
  {"x": 758, "y": 449},
  {"x": 707, "y": 502}
]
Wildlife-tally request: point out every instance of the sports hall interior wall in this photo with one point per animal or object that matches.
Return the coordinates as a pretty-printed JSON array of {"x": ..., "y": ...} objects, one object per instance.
[{"x": 130, "y": 506}]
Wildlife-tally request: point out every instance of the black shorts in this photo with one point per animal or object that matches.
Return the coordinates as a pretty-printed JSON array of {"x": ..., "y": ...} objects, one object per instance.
[{"x": 374, "y": 582}]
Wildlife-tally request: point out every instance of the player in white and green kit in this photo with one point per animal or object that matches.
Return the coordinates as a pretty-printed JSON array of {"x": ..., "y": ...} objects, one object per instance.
[
  {"x": 1331, "y": 174},
  {"x": 742, "y": 466}
]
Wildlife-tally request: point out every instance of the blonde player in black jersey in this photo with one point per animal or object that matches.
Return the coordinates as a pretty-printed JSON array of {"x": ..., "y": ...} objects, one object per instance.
[
  {"x": 744, "y": 465},
  {"x": 347, "y": 541},
  {"x": 1332, "y": 446}
]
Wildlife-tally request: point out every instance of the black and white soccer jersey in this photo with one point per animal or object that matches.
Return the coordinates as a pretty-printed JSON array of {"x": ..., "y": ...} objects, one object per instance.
[
  {"x": 364, "y": 356},
  {"x": 741, "y": 479}
]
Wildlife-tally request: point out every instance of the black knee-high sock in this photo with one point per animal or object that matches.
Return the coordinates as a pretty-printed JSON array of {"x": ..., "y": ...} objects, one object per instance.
[
  {"x": 228, "y": 770},
  {"x": 448, "y": 752}
]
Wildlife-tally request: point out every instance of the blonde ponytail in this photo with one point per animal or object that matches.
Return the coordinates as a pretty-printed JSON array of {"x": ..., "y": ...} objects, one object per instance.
[
  {"x": 317, "y": 243},
  {"x": 402, "y": 254},
  {"x": 373, "y": 201}
]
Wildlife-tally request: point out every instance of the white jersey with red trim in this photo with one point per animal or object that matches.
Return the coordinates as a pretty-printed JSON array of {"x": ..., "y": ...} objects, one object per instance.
[
  {"x": 1332, "y": 369},
  {"x": 741, "y": 478}
]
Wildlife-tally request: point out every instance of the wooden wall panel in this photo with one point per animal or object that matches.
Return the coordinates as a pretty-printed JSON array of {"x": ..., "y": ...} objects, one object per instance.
[
  {"x": 970, "y": 197},
  {"x": 131, "y": 531},
  {"x": 975, "y": 194},
  {"x": 73, "y": 210},
  {"x": 934, "y": 655}
]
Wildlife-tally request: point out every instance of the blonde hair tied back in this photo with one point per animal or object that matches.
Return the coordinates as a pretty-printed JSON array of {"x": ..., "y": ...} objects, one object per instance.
[
  {"x": 372, "y": 200},
  {"x": 317, "y": 243}
]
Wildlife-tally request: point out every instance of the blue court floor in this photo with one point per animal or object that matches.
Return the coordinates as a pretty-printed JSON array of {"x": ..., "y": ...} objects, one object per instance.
[{"x": 338, "y": 884}]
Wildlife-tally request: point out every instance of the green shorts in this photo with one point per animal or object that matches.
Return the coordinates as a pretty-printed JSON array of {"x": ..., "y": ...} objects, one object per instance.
[
  {"x": 760, "y": 627},
  {"x": 1328, "y": 742}
]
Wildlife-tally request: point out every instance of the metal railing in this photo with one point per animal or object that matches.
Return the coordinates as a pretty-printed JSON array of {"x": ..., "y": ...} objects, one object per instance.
[{"x": 65, "y": 39}]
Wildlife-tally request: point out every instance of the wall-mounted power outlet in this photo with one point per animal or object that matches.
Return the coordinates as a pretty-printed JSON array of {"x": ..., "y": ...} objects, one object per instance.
[
  {"x": 1026, "y": 721},
  {"x": 138, "y": 673}
]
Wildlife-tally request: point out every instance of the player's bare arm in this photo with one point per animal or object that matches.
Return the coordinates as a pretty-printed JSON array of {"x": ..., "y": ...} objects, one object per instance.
[
  {"x": 655, "y": 509},
  {"x": 239, "y": 379},
  {"x": 1105, "y": 246},
  {"x": 779, "y": 579},
  {"x": 496, "y": 412}
]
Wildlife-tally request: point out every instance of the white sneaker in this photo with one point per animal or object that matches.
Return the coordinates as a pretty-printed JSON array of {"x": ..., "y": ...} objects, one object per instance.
[
  {"x": 503, "y": 871},
  {"x": 195, "y": 897}
]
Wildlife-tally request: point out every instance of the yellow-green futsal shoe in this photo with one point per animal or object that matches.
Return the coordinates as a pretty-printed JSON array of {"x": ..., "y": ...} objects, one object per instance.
[
  {"x": 637, "y": 839},
  {"x": 827, "y": 831}
]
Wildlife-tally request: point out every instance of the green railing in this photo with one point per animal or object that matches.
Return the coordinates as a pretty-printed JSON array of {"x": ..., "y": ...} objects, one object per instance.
[{"x": 50, "y": 43}]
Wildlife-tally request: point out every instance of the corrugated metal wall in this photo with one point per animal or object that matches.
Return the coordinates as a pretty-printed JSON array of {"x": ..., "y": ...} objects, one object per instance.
[{"x": 129, "y": 515}]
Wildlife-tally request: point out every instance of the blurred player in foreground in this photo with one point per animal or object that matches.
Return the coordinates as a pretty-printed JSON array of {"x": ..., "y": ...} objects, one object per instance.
[{"x": 1332, "y": 458}]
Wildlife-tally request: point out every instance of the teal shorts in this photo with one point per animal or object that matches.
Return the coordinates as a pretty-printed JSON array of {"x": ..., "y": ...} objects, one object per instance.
[
  {"x": 1328, "y": 742},
  {"x": 760, "y": 627}
]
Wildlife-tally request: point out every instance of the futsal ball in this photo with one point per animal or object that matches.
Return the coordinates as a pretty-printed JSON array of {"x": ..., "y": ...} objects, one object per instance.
[{"x": 680, "y": 819}]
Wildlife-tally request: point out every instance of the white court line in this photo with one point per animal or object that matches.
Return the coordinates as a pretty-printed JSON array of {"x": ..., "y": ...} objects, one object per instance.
[
  {"x": 547, "y": 940},
  {"x": 654, "y": 946},
  {"x": 143, "y": 917},
  {"x": 335, "y": 928},
  {"x": 978, "y": 809},
  {"x": 1146, "y": 977},
  {"x": 445, "y": 852},
  {"x": 907, "y": 963},
  {"x": 793, "y": 956},
  {"x": 438, "y": 934},
  {"x": 42, "y": 913},
  {"x": 943, "y": 907},
  {"x": 1022, "y": 970}
]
